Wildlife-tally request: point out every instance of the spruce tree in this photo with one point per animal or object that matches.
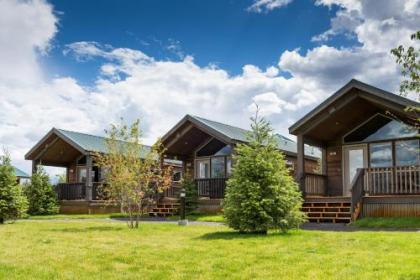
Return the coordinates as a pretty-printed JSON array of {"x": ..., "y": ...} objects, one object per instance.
[
  {"x": 13, "y": 203},
  {"x": 41, "y": 195},
  {"x": 261, "y": 194}
]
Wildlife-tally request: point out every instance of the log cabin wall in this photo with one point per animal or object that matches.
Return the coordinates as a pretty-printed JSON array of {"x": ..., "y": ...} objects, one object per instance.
[
  {"x": 334, "y": 170},
  {"x": 311, "y": 165},
  {"x": 72, "y": 176}
]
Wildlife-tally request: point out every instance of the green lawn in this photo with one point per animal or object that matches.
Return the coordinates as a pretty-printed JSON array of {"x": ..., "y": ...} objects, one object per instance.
[
  {"x": 388, "y": 223},
  {"x": 192, "y": 217},
  {"x": 108, "y": 250}
]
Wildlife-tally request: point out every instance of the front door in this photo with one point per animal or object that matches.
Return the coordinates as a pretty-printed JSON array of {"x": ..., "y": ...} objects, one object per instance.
[{"x": 355, "y": 157}]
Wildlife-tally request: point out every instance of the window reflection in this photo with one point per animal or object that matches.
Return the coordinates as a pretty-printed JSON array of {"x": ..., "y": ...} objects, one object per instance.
[
  {"x": 380, "y": 128},
  {"x": 381, "y": 155},
  {"x": 407, "y": 152},
  {"x": 218, "y": 167}
]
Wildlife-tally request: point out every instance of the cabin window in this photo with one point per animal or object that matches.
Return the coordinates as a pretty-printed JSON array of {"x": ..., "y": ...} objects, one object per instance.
[
  {"x": 225, "y": 151},
  {"x": 381, "y": 154},
  {"x": 217, "y": 167},
  {"x": 177, "y": 176},
  {"x": 407, "y": 152},
  {"x": 228, "y": 166},
  {"x": 380, "y": 127},
  {"x": 203, "y": 169}
]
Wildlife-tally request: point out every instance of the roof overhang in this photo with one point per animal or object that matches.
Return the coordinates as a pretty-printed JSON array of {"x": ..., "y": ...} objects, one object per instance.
[
  {"x": 351, "y": 104},
  {"x": 55, "y": 149},
  {"x": 188, "y": 134}
]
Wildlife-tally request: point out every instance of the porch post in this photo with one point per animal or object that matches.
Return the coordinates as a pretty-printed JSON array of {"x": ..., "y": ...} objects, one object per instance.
[
  {"x": 301, "y": 163},
  {"x": 324, "y": 160},
  {"x": 35, "y": 164},
  {"x": 89, "y": 184}
]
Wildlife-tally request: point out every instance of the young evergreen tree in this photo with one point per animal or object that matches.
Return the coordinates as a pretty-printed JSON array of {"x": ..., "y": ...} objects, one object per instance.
[
  {"x": 41, "y": 195},
  {"x": 13, "y": 203},
  {"x": 261, "y": 194},
  {"x": 191, "y": 194}
]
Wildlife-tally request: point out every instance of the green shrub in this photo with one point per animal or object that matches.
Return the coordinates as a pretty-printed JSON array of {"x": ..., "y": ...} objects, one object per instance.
[
  {"x": 13, "y": 203},
  {"x": 41, "y": 195},
  {"x": 191, "y": 194},
  {"x": 261, "y": 194}
]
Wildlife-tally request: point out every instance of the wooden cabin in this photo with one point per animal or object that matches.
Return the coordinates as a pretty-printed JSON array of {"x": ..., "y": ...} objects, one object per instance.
[
  {"x": 370, "y": 155},
  {"x": 75, "y": 151},
  {"x": 205, "y": 148}
]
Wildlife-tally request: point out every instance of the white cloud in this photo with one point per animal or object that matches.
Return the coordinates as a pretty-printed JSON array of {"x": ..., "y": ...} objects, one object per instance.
[
  {"x": 133, "y": 84},
  {"x": 260, "y": 6}
]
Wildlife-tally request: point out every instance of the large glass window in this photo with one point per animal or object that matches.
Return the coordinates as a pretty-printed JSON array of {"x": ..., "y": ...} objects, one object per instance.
[
  {"x": 218, "y": 167},
  {"x": 381, "y": 154},
  {"x": 380, "y": 127},
  {"x": 407, "y": 152},
  {"x": 203, "y": 169}
]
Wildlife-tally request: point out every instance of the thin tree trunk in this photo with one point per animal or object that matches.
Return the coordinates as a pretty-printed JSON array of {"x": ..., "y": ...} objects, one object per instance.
[{"x": 1, "y": 220}]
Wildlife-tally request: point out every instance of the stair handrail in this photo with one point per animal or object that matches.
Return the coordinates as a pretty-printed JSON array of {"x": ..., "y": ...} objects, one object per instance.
[{"x": 357, "y": 191}]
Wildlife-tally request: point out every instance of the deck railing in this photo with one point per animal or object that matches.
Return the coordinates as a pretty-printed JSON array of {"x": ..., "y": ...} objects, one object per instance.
[
  {"x": 172, "y": 191},
  {"x": 392, "y": 180},
  {"x": 315, "y": 184},
  {"x": 357, "y": 192},
  {"x": 71, "y": 191},
  {"x": 211, "y": 187}
]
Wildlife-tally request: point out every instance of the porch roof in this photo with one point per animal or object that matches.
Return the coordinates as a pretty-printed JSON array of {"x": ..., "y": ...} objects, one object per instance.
[
  {"x": 61, "y": 146},
  {"x": 201, "y": 129},
  {"x": 348, "y": 107}
]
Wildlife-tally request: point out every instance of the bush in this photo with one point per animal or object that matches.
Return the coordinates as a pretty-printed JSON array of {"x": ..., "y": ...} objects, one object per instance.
[
  {"x": 13, "y": 203},
  {"x": 191, "y": 194},
  {"x": 261, "y": 194},
  {"x": 41, "y": 195}
]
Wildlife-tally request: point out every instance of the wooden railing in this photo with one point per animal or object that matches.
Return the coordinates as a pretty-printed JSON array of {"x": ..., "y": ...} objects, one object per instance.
[
  {"x": 71, "y": 191},
  {"x": 357, "y": 193},
  {"x": 211, "y": 187},
  {"x": 392, "y": 180},
  {"x": 173, "y": 191},
  {"x": 315, "y": 184}
]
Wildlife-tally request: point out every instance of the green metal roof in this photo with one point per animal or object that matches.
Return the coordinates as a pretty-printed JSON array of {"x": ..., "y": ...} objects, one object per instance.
[
  {"x": 88, "y": 142},
  {"x": 20, "y": 173},
  {"x": 239, "y": 134}
]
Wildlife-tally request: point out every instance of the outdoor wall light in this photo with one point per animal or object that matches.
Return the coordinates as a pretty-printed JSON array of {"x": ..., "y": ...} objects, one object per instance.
[{"x": 182, "y": 220}]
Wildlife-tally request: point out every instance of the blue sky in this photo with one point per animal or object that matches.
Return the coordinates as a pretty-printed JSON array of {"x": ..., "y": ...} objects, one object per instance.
[
  {"x": 81, "y": 65},
  {"x": 217, "y": 32}
]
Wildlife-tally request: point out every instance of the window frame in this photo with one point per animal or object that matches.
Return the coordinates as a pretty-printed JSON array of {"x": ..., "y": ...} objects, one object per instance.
[{"x": 373, "y": 141}]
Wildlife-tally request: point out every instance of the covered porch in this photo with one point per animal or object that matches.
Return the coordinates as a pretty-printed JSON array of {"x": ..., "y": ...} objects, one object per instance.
[
  {"x": 65, "y": 149},
  {"x": 370, "y": 147}
]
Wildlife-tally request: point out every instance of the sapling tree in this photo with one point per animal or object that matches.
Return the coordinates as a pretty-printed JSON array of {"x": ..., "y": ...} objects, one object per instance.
[
  {"x": 13, "y": 203},
  {"x": 135, "y": 174},
  {"x": 261, "y": 194},
  {"x": 41, "y": 195}
]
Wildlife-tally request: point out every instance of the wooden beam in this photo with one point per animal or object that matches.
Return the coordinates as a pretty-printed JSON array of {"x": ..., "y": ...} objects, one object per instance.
[
  {"x": 89, "y": 183},
  {"x": 301, "y": 162},
  {"x": 179, "y": 135},
  {"x": 46, "y": 147}
]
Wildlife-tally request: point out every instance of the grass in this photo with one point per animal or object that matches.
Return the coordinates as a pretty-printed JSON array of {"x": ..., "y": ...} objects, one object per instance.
[
  {"x": 192, "y": 217},
  {"x": 76, "y": 216},
  {"x": 200, "y": 217},
  {"x": 90, "y": 249},
  {"x": 388, "y": 223}
]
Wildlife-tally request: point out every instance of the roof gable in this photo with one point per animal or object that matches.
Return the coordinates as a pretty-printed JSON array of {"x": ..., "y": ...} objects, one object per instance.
[
  {"x": 232, "y": 134},
  {"x": 366, "y": 91}
]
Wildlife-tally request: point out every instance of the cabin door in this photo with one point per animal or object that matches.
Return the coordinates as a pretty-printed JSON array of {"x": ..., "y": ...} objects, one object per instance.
[{"x": 355, "y": 157}]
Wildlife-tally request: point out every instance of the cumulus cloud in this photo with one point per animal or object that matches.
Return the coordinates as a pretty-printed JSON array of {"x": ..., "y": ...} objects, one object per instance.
[
  {"x": 260, "y": 6},
  {"x": 132, "y": 84}
]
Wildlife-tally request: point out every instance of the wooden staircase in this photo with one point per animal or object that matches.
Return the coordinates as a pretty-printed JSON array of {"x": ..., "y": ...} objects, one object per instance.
[
  {"x": 165, "y": 207},
  {"x": 327, "y": 209}
]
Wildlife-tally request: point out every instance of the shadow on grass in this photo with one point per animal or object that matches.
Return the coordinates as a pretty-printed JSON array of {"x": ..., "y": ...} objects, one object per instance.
[
  {"x": 87, "y": 229},
  {"x": 229, "y": 235}
]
